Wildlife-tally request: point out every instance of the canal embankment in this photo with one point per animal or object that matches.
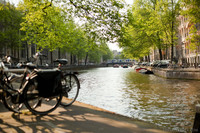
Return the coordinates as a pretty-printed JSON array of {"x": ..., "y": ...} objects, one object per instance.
[
  {"x": 178, "y": 73},
  {"x": 77, "y": 118}
]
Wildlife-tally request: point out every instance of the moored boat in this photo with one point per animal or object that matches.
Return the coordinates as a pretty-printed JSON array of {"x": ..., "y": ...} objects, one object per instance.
[
  {"x": 145, "y": 71},
  {"x": 139, "y": 69},
  {"x": 116, "y": 66},
  {"x": 125, "y": 66}
]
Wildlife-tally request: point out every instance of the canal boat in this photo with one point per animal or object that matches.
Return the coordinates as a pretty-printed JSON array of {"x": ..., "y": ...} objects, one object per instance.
[
  {"x": 139, "y": 69},
  {"x": 125, "y": 66},
  {"x": 145, "y": 71},
  {"x": 116, "y": 66}
]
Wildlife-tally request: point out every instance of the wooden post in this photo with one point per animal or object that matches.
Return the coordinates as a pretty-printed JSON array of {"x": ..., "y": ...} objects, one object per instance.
[{"x": 196, "y": 126}]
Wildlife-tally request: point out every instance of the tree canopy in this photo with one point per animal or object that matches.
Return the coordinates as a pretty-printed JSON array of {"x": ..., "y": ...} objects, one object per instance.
[
  {"x": 191, "y": 9},
  {"x": 10, "y": 20},
  {"x": 47, "y": 23},
  {"x": 151, "y": 26}
]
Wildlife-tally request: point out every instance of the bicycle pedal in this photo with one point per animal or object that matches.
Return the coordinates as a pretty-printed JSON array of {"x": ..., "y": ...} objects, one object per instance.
[{"x": 26, "y": 112}]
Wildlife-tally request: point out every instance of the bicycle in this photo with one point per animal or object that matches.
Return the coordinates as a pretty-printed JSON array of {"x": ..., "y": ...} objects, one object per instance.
[
  {"x": 43, "y": 91},
  {"x": 36, "y": 99},
  {"x": 70, "y": 87},
  {"x": 8, "y": 92},
  {"x": 70, "y": 83},
  {"x": 16, "y": 82}
]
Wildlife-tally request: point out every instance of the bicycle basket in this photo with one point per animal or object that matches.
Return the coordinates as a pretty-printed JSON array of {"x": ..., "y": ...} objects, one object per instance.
[{"x": 49, "y": 83}]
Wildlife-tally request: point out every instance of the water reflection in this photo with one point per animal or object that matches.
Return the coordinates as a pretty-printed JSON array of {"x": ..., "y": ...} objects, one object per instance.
[{"x": 168, "y": 103}]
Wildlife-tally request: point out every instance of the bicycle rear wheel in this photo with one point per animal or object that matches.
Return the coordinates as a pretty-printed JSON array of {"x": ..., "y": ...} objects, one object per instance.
[
  {"x": 37, "y": 104},
  {"x": 71, "y": 88}
]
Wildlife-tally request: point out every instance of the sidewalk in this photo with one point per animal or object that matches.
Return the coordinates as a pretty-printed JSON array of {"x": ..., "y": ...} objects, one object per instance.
[{"x": 78, "y": 118}]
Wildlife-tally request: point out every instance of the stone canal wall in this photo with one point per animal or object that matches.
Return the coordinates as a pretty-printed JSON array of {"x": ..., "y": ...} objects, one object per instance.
[{"x": 177, "y": 73}]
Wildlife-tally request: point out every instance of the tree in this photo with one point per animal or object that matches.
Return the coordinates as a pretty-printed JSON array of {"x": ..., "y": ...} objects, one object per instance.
[
  {"x": 170, "y": 13},
  {"x": 44, "y": 24},
  {"x": 77, "y": 45},
  {"x": 45, "y": 21},
  {"x": 137, "y": 39},
  {"x": 191, "y": 9},
  {"x": 108, "y": 53},
  {"x": 104, "y": 17},
  {"x": 10, "y": 19},
  {"x": 151, "y": 25},
  {"x": 101, "y": 52}
]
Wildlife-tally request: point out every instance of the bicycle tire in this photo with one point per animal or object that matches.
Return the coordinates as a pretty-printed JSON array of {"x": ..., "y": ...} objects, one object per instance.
[
  {"x": 10, "y": 95},
  {"x": 71, "y": 88},
  {"x": 39, "y": 105},
  {"x": 7, "y": 101}
]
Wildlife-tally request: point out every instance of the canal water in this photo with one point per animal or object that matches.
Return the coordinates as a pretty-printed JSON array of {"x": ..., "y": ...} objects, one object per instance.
[{"x": 168, "y": 103}]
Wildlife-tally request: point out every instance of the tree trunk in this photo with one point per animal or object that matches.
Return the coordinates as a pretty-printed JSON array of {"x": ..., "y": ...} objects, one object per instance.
[
  {"x": 166, "y": 53},
  {"x": 59, "y": 53},
  {"x": 74, "y": 59},
  {"x": 148, "y": 58},
  {"x": 51, "y": 53},
  {"x": 71, "y": 59},
  {"x": 86, "y": 57},
  {"x": 160, "y": 53},
  {"x": 27, "y": 51},
  {"x": 196, "y": 58},
  {"x": 18, "y": 52},
  {"x": 78, "y": 61},
  {"x": 172, "y": 35}
]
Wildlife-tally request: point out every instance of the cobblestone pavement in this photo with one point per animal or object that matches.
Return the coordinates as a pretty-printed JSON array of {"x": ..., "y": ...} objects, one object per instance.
[{"x": 78, "y": 118}]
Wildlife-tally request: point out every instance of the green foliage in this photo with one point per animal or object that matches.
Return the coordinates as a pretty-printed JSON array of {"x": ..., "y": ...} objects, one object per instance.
[
  {"x": 78, "y": 42},
  {"x": 108, "y": 54},
  {"x": 151, "y": 25},
  {"x": 10, "y": 20},
  {"x": 104, "y": 17},
  {"x": 191, "y": 9},
  {"x": 45, "y": 24},
  {"x": 101, "y": 52},
  {"x": 138, "y": 37},
  {"x": 53, "y": 24}
]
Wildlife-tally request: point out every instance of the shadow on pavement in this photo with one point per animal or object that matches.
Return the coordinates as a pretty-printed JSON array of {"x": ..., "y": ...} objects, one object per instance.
[
  {"x": 73, "y": 119},
  {"x": 3, "y": 108}
]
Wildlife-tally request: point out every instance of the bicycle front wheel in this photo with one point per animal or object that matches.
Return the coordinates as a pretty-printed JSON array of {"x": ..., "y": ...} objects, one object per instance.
[
  {"x": 10, "y": 96},
  {"x": 37, "y": 104},
  {"x": 71, "y": 88},
  {"x": 8, "y": 102}
]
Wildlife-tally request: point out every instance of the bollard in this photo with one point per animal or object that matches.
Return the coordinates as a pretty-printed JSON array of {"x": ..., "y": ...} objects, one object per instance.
[{"x": 196, "y": 126}]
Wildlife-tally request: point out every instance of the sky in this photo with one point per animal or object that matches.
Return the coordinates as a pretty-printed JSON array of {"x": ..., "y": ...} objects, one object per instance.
[{"x": 112, "y": 46}]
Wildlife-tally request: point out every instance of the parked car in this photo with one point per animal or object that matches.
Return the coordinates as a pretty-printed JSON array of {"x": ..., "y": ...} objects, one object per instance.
[
  {"x": 149, "y": 64},
  {"x": 155, "y": 63},
  {"x": 144, "y": 63},
  {"x": 163, "y": 63}
]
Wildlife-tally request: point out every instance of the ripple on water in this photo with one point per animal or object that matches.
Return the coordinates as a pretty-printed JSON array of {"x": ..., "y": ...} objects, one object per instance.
[{"x": 168, "y": 103}]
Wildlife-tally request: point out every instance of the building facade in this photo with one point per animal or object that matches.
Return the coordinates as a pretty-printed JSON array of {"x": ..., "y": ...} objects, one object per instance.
[{"x": 188, "y": 56}]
